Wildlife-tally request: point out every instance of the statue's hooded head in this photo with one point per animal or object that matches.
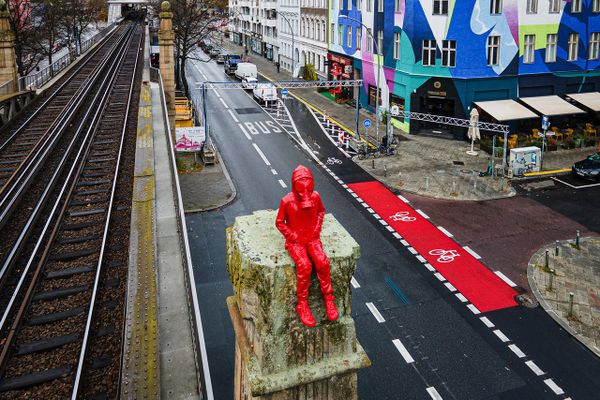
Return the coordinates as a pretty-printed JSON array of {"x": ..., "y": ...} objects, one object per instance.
[{"x": 303, "y": 185}]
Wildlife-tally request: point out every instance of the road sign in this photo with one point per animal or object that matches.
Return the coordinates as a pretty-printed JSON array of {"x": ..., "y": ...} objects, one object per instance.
[
  {"x": 367, "y": 123},
  {"x": 545, "y": 122},
  {"x": 395, "y": 110},
  {"x": 284, "y": 93}
]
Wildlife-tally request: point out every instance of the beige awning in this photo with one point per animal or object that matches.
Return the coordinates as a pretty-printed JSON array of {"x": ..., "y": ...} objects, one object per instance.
[
  {"x": 506, "y": 110},
  {"x": 551, "y": 105},
  {"x": 590, "y": 100}
]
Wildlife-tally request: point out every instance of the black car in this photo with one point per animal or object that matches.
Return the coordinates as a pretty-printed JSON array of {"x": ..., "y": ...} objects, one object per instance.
[{"x": 588, "y": 168}]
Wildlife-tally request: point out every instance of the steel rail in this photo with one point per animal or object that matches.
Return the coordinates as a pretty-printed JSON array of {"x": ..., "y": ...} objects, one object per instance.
[
  {"x": 20, "y": 180},
  {"x": 70, "y": 185}
]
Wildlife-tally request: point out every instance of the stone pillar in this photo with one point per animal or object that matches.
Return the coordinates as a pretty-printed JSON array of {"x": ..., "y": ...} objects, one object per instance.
[
  {"x": 8, "y": 62},
  {"x": 166, "y": 41},
  {"x": 276, "y": 356}
]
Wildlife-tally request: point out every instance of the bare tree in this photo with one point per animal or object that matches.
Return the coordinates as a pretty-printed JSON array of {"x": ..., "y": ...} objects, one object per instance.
[
  {"x": 76, "y": 17},
  {"x": 26, "y": 50},
  {"x": 46, "y": 17},
  {"x": 193, "y": 21}
]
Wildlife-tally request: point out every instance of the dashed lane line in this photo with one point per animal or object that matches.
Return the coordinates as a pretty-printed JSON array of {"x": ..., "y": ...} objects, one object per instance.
[
  {"x": 533, "y": 366},
  {"x": 282, "y": 183},
  {"x": 501, "y": 335},
  {"x": 515, "y": 349},
  {"x": 433, "y": 393},
  {"x": 354, "y": 283},
  {"x": 245, "y": 133},
  {"x": 233, "y": 116},
  {"x": 473, "y": 309},
  {"x": 261, "y": 154},
  {"x": 553, "y": 386},
  {"x": 375, "y": 312},
  {"x": 405, "y": 354},
  {"x": 471, "y": 252},
  {"x": 505, "y": 279},
  {"x": 487, "y": 322},
  {"x": 445, "y": 232}
]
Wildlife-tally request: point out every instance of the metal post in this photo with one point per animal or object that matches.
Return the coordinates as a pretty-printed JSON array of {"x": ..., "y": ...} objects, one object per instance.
[
  {"x": 493, "y": 154},
  {"x": 549, "y": 288},
  {"x": 556, "y": 249},
  {"x": 571, "y": 295},
  {"x": 546, "y": 263},
  {"x": 577, "y": 239},
  {"x": 543, "y": 147},
  {"x": 356, "y": 114},
  {"x": 504, "y": 153},
  {"x": 204, "y": 112}
]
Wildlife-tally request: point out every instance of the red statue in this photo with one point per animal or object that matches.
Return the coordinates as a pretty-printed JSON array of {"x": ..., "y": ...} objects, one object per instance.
[{"x": 299, "y": 220}]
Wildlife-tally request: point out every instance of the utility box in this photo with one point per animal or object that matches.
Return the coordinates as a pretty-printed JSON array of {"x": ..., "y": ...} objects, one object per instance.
[{"x": 524, "y": 160}]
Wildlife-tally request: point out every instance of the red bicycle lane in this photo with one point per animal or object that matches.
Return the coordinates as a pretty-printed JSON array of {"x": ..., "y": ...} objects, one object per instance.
[{"x": 484, "y": 289}]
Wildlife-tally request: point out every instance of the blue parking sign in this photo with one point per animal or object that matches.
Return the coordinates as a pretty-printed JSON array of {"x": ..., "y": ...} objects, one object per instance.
[
  {"x": 284, "y": 92},
  {"x": 545, "y": 122},
  {"x": 367, "y": 123}
]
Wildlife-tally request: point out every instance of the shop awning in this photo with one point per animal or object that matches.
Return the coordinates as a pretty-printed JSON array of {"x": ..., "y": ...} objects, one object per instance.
[
  {"x": 590, "y": 100},
  {"x": 506, "y": 110},
  {"x": 551, "y": 105}
]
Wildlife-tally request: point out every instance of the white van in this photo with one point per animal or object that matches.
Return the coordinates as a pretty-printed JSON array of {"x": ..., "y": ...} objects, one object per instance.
[
  {"x": 246, "y": 70},
  {"x": 265, "y": 93}
]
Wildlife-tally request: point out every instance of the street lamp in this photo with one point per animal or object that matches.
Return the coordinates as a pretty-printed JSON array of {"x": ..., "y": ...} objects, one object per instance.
[
  {"x": 378, "y": 74},
  {"x": 293, "y": 55}
]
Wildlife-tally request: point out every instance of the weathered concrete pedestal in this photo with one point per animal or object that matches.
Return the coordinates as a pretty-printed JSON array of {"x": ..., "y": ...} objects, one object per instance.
[{"x": 277, "y": 357}]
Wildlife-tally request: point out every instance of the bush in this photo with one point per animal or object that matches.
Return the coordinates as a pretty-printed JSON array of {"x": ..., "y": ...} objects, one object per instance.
[{"x": 309, "y": 73}]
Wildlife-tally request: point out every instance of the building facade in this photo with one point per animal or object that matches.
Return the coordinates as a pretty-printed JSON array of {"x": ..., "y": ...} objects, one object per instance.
[
  {"x": 440, "y": 56},
  {"x": 314, "y": 17}
]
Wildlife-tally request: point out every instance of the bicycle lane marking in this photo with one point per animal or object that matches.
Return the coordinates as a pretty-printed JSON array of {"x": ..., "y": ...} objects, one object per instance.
[{"x": 476, "y": 282}]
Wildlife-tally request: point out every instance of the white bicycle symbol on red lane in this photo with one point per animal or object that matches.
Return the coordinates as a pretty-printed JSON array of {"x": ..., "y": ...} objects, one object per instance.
[
  {"x": 403, "y": 216},
  {"x": 444, "y": 256}
]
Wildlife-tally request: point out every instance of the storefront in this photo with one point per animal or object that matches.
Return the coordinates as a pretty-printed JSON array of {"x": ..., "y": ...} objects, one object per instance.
[
  {"x": 256, "y": 44},
  {"x": 437, "y": 96},
  {"x": 268, "y": 51},
  {"x": 340, "y": 68},
  {"x": 236, "y": 38}
]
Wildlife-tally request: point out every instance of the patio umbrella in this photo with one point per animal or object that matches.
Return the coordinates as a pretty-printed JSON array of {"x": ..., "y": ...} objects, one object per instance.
[{"x": 473, "y": 132}]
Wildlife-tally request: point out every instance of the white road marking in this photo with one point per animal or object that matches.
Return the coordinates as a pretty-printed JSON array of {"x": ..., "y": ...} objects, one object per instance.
[
  {"x": 224, "y": 104},
  {"x": 450, "y": 287},
  {"x": 233, "y": 116},
  {"x": 515, "y": 349},
  {"x": 389, "y": 228},
  {"x": 261, "y": 154},
  {"x": 573, "y": 186},
  {"x": 555, "y": 388},
  {"x": 404, "y": 199},
  {"x": 429, "y": 267},
  {"x": 461, "y": 297},
  {"x": 353, "y": 194},
  {"x": 404, "y": 242},
  {"x": 487, "y": 322},
  {"x": 422, "y": 214},
  {"x": 441, "y": 228},
  {"x": 505, "y": 279},
  {"x": 365, "y": 205},
  {"x": 473, "y": 309},
  {"x": 433, "y": 393},
  {"x": 345, "y": 186},
  {"x": 471, "y": 252},
  {"x": 533, "y": 366},
  {"x": 439, "y": 277},
  {"x": 412, "y": 250},
  {"x": 369, "y": 209},
  {"x": 273, "y": 171},
  {"x": 377, "y": 216},
  {"x": 382, "y": 222},
  {"x": 397, "y": 235},
  {"x": 420, "y": 258},
  {"x": 405, "y": 354},
  {"x": 375, "y": 312},
  {"x": 245, "y": 133},
  {"x": 282, "y": 183},
  {"x": 354, "y": 283},
  {"x": 501, "y": 335}
]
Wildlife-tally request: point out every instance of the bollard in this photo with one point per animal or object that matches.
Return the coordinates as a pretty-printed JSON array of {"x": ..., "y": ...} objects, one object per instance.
[
  {"x": 474, "y": 185},
  {"x": 327, "y": 119},
  {"x": 426, "y": 183},
  {"x": 373, "y": 164},
  {"x": 551, "y": 280},
  {"x": 577, "y": 239},
  {"x": 546, "y": 263},
  {"x": 385, "y": 170},
  {"x": 556, "y": 249},
  {"x": 571, "y": 294},
  {"x": 453, "y": 186}
]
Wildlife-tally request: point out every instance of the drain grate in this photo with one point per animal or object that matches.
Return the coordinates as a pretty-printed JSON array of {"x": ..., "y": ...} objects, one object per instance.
[
  {"x": 458, "y": 162},
  {"x": 248, "y": 110}
]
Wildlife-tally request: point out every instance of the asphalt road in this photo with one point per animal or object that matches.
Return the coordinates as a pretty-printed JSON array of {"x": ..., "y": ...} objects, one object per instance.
[{"x": 456, "y": 353}]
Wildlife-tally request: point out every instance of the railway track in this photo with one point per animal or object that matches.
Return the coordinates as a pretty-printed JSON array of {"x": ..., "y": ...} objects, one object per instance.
[{"x": 63, "y": 271}]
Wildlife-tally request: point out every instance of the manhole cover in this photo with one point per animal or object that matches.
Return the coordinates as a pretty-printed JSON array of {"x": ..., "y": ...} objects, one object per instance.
[
  {"x": 249, "y": 110},
  {"x": 466, "y": 171},
  {"x": 458, "y": 162},
  {"x": 526, "y": 301}
]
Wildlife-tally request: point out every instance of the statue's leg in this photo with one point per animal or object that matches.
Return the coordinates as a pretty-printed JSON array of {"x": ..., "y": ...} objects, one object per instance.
[
  {"x": 303, "y": 270},
  {"x": 315, "y": 250}
]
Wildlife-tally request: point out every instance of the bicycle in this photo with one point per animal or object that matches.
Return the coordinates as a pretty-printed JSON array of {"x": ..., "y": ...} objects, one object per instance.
[{"x": 364, "y": 151}]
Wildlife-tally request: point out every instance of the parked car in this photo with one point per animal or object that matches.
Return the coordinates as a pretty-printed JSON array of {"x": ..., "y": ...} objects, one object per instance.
[
  {"x": 245, "y": 70},
  {"x": 588, "y": 168},
  {"x": 265, "y": 93},
  {"x": 221, "y": 58},
  {"x": 214, "y": 52},
  {"x": 231, "y": 63},
  {"x": 248, "y": 83}
]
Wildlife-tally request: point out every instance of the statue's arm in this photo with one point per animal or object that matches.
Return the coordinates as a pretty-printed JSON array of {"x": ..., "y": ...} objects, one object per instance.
[
  {"x": 287, "y": 233},
  {"x": 320, "y": 216}
]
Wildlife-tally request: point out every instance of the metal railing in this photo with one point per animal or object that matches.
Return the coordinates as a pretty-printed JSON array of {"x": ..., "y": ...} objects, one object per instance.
[
  {"x": 39, "y": 79},
  {"x": 204, "y": 384},
  {"x": 7, "y": 87}
]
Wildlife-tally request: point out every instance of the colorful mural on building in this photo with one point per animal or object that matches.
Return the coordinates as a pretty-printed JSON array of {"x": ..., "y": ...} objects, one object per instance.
[{"x": 441, "y": 56}]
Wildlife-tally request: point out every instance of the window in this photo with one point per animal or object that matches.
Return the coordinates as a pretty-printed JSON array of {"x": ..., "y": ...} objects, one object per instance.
[
  {"x": 495, "y": 6},
  {"x": 573, "y": 44},
  {"x": 379, "y": 48},
  {"x": 532, "y": 6},
  {"x": 332, "y": 32},
  {"x": 428, "y": 52},
  {"x": 529, "y": 49},
  {"x": 449, "y": 53},
  {"x": 575, "y": 6},
  {"x": 358, "y": 37},
  {"x": 594, "y": 45},
  {"x": 399, "y": 102},
  {"x": 369, "y": 41},
  {"x": 397, "y": 5},
  {"x": 340, "y": 4},
  {"x": 349, "y": 36},
  {"x": 397, "y": 45},
  {"x": 369, "y": 5},
  {"x": 440, "y": 7},
  {"x": 323, "y": 36},
  {"x": 373, "y": 95},
  {"x": 340, "y": 37},
  {"x": 312, "y": 32},
  {"x": 554, "y": 6},
  {"x": 551, "y": 41},
  {"x": 380, "y": 5},
  {"x": 493, "y": 50},
  {"x": 596, "y": 6}
]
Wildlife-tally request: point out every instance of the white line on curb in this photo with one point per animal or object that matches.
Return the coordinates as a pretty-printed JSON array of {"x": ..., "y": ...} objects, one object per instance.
[
  {"x": 505, "y": 279},
  {"x": 382, "y": 222},
  {"x": 261, "y": 154},
  {"x": 389, "y": 228},
  {"x": 501, "y": 335},
  {"x": 369, "y": 209},
  {"x": 422, "y": 214},
  {"x": 461, "y": 297},
  {"x": 429, "y": 267},
  {"x": 473, "y": 309},
  {"x": 450, "y": 287},
  {"x": 375, "y": 312},
  {"x": 434, "y": 393},
  {"x": 487, "y": 322},
  {"x": 405, "y": 354},
  {"x": 439, "y": 277},
  {"x": 397, "y": 235},
  {"x": 441, "y": 228},
  {"x": 413, "y": 251},
  {"x": 471, "y": 252},
  {"x": 420, "y": 258},
  {"x": 404, "y": 199},
  {"x": 404, "y": 242}
]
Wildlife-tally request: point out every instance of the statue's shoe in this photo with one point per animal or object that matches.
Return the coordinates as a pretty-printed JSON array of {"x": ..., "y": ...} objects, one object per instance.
[
  {"x": 305, "y": 314},
  {"x": 331, "y": 310}
]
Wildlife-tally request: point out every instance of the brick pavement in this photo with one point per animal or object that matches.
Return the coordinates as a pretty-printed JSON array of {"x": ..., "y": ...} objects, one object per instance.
[{"x": 576, "y": 271}]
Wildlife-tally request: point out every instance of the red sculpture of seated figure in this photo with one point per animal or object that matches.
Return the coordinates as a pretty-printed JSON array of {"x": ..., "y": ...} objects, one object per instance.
[{"x": 300, "y": 219}]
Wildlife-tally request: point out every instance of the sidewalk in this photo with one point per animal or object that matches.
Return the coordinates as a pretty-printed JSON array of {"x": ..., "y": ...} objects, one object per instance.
[
  {"x": 576, "y": 271},
  {"x": 423, "y": 165}
]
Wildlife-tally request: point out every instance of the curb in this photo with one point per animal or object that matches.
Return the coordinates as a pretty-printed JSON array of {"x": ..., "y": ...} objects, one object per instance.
[{"x": 545, "y": 173}]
